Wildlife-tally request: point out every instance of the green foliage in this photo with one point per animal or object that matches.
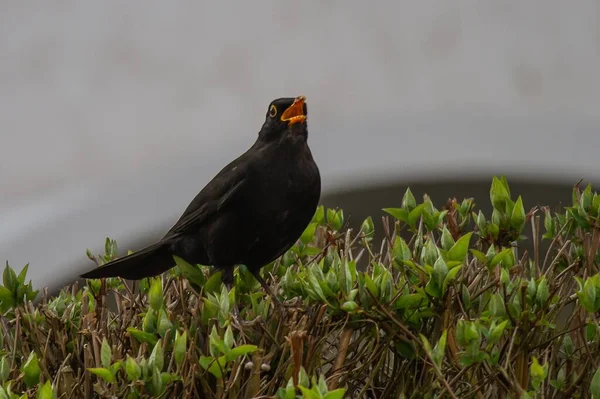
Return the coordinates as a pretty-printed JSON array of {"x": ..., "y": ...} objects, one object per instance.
[
  {"x": 449, "y": 303},
  {"x": 13, "y": 291}
]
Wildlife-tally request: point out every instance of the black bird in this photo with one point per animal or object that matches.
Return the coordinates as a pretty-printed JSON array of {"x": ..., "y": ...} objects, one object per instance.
[{"x": 250, "y": 213}]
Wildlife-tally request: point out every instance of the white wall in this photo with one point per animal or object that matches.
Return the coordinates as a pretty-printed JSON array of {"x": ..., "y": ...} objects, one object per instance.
[{"x": 90, "y": 89}]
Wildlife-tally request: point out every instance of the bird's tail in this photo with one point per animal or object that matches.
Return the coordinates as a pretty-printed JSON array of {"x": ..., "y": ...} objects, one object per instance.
[{"x": 150, "y": 261}]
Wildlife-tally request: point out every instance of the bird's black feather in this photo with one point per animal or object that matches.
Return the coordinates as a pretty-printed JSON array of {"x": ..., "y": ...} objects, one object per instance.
[{"x": 250, "y": 213}]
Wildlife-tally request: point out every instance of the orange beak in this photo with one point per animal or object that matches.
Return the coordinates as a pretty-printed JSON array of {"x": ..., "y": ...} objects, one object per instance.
[{"x": 295, "y": 113}]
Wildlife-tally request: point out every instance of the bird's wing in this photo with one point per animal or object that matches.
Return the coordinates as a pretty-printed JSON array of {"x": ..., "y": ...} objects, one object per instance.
[{"x": 217, "y": 194}]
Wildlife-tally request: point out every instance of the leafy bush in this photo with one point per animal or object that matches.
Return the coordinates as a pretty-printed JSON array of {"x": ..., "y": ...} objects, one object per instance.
[{"x": 457, "y": 310}]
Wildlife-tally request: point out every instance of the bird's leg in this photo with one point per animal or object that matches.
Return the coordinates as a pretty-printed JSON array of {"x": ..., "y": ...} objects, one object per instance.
[
  {"x": 264, "y": 284},
  {"x": 235, "y": 311},
  {"x": 237, "y": 322}
]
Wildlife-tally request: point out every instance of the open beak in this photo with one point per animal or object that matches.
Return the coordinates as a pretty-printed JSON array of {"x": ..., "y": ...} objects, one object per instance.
[{"x": 295, "y": 113}]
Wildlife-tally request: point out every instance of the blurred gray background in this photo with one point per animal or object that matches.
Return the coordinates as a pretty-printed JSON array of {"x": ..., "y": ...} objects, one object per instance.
[{"x": 113, "y": 115}]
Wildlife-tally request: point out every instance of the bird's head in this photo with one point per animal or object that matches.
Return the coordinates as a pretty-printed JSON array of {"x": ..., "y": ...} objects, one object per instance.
[{"x": 286, "y": 117}]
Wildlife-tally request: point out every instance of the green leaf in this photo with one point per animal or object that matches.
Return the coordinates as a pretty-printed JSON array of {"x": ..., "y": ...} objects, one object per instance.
[
  {"x": 228, "y": 339},
  {"x": 105, "y": 354},
  {"x": 156, "y": 359},
  {"x": 505, "y": 256},
  {"x": 433, "y": 289},
  {"x": 440, "y": 271},
  {"x": 213, "y": 284},
  {"x": 560, "y": 382},
  {"x": 335, "y": 394},
  {"x": 212, "y": 365},
  {"x": 321, "y": 384},
  {"x": 31, "y": 371},
  {"x": 465, "y": 296},
  {"x": 132, "y": 369},
  {"x": 595, "y": 385},
  {"x": 157, "y": 384},
  {"x": 588, "y": 296},
  {"x": 142, "y": 337},
  {"x": 319, "y": 216},
  {"x": 586, "y": 197},
  {"x": 590, "y": 331},
  {"x": 499, "y": 194},
  {"x": 149, "y": 321},
  {"x": 4, "y": 369},
  {"x": 384, "y": 283},
  {"x": 449, "y": 277},
  {"x": 517, "y": 218},
  {"x": 467, "y": 333},
  {"x": 537, "y": 371},
  {"x": 446, "y": 240},
  {"x": 508, "y": 211},
  {"x": 493, "y": 230},
  {"x": 349, "y": 306},
  {"x": 398, "y": 213},
  {"x": 164, "y": 324},
  {"x": 216, "y": 346},
  {"x": 169, "y": 378},
  {"x": 480, "y": 256},
  {"x": 496, "y": 306},
  {"x": 110, "y": 248},
  {"x": 45, "y": 391},
  {"x": 309, "y": 233},
  {"x": 241, "y": 350},
  {"x": 401, "y": 251},
  {"x": 224, "y": 302},
  {"x": 368, "y": 228},
  {"x": 289, "y": 392},
  {"x": 440, "y": 217},
  {"x": 567, "y": 346},
  {"x": 428, "y": 219},
  {"x": 596, "y": 201},
  {"x": 459, "y": 250},
  {"x": 103, "y": 373},
  {"x": 335, "y": 218},
  {"x": 414, "y": 215},
  {"x": 430, "y": 253},
  {"x": 309, "y": 394},
  {"x": 542, "y": 293},
  {"x": 496, "y": 331},
  {"x": 180, "y": 347},
  {"x": 579, "y": 216},
  {"x": 505, "y": 184},
  {"x": 410, "y": 301},
  {"x": 408, "y": 200},
  {"x": 480, "y": 222},
  {"x": 155, "y": 294},
  {"x": 549, "y": 222},
  {"x": 192, "y": 273},
  {"x": 6, "y": 299},
  {"x": 504, "y": 277},
  {"x": 531, "y": 290},
  {"x": 9, "y": 278},
  {"x": 426, "y": 345},
  {"x": 23, "y": 275},
  {"x": 316, "y": 286},
  {"x": 303, "y": 377},
  {"x": 440, "y": 349},
  {"x": 370, "y": 284}
]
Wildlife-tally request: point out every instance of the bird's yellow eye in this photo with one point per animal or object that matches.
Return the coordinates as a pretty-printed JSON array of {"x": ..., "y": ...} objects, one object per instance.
[{"x": 272, "y": 111}]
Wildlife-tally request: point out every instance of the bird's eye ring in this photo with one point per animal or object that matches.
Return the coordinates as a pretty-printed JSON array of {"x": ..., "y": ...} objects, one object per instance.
[{"x": 272, "y": 111}]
